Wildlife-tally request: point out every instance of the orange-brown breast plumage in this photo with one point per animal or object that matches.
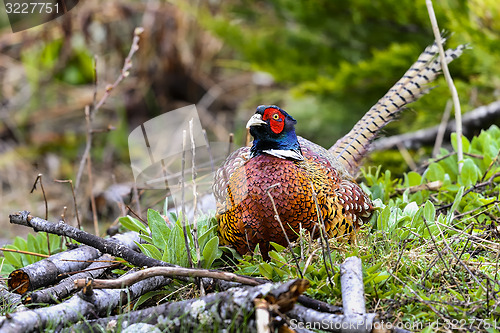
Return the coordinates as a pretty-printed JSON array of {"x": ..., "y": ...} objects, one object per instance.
[{"x": 245, "y": 212}]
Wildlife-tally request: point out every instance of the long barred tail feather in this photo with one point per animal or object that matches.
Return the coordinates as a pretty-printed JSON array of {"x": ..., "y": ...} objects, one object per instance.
[{"x": 351, "y": 149}]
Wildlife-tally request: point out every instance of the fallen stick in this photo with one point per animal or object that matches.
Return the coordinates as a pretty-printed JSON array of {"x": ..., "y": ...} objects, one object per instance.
[
  {"x": 353, "y": 290},
  {"x": 303, "y": 317},
  {"x": 472, "y": 121},
  {"x": 231, "y": 310},
  {"x": 77, "y": 307},
  {"x": 104, "y": 245},
  {"x": 48, "y": 271},
  {"x": 135, "y": 277},
  {"x": 66, "y": 286}
]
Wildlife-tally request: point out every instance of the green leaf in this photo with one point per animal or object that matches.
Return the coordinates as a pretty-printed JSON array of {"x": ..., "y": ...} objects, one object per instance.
[
  {"x": 434, "y": 172},
  {"x": 211, "y": 252},
  {"x": 456, "y": 202},
  {"x": 429, "y": 211},
  {"x": 277, "y": 257},
  {"x": 20, "y": 244},
  {"x": 413, "y": 178},
  {"x": 32, "y": 247},
  {"x": 160, "y": 232},
  {"x": 13, "y": 258},
  {"x": 277, "y": 247},
  {"x": 470, "y": 173},
  {"x": 383, "y": 218},
  {"x": 150, "y": 250},
  {"x": 203, "y": 239},
  {"x": 266, "y": 270},
  {"x": 133, "y": 224}
]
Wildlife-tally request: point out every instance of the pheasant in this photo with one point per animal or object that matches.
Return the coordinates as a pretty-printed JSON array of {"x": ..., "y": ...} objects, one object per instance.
[{"x": 284, "y": 182}]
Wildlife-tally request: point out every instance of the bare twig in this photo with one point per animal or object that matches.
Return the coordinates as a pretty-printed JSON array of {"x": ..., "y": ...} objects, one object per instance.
[
  {"x": 194, "y": 230},
  {"x": 89, "y": 171},
  {"x": 25, "y": 252},
  {"x": 77, "y": 215},
  {"x": 130, "y": 279},
  {"x": 39, "y": 178},
  {"x": 442, "y": 129},
  {"x": 183, "y": 204},
  {"x": 449, "y": 81},
  {"x": 124, "y": 73}
]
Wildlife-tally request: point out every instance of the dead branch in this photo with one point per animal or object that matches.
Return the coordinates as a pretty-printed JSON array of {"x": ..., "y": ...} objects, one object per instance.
[
  {"x": 78, "y": 306},
  {"x": 353, "y": 290},
  {"x": 471, "y": 121},
  {"x": 123, "y": 74},
  {"x": 303, "y": 299},
  {"x": 66, "y": 286},
  {"x": 12, "y": 299},
  {"x": 110, "y": 246},
  {"x": 231, "y": 310},
  {"x": 47, "y": 271},
  {"x": 132, "y": 278},
  {"x": 104, "y": 245}
]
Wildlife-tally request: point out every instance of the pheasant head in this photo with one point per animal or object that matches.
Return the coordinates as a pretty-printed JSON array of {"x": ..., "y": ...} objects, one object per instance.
[{"x": 274, "y": 133}]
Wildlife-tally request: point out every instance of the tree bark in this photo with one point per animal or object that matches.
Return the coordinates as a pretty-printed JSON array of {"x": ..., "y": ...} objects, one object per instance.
[
  {"x": 77, "y": 307},
  {"x": 48, "y": 271},
  {"x": 104, "y": 245},
  {"x": 67, "y": 286},
  {"x": 231, "y": 310}
]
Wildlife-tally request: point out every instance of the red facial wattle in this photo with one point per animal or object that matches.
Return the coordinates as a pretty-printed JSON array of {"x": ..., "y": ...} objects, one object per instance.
[{"x": 276, "y": 119}]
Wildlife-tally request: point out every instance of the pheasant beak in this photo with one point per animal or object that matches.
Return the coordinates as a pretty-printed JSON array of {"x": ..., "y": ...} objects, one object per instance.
[{"x": 256, "y": 120}]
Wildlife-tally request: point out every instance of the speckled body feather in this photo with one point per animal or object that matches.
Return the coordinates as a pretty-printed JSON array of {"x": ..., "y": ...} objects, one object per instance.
[{"x": 245, "y": 211}]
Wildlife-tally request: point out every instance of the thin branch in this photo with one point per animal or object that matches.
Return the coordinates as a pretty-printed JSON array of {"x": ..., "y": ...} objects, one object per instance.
[
  {"x": 109, "y": 88},
  {"x": 130, "y": 279},
  {"x": 39, "y": 178},
  {"x": 442, "y": 129},
  {"x": 25, "y": 252},
  {"x": 449, "y": 81},
  {"x": 74, "y": 199},
  {"x": 183, "y": 206},
  {"x": 194, "y": 230},
  {"x": 89, "y": 171}
]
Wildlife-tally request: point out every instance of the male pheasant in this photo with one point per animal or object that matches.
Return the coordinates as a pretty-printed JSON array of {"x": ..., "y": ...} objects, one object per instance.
[{"x": 284, "y": 177}]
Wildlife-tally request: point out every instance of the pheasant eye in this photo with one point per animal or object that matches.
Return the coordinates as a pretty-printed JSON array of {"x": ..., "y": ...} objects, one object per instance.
[{"x": 276, "y": 116}]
